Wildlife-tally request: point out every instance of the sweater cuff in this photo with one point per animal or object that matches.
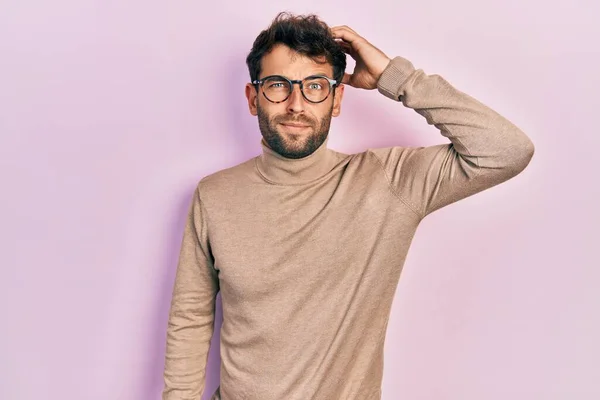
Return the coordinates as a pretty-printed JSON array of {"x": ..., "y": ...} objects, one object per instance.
[{"x": 393, "y": 76}]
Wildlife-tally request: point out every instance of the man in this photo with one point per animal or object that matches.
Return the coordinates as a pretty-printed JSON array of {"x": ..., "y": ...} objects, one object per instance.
[{"x": 306, "y": 244}]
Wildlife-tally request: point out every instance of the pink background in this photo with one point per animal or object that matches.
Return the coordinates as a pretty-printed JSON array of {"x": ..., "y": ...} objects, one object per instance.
[{"x": 111, "y": 111}]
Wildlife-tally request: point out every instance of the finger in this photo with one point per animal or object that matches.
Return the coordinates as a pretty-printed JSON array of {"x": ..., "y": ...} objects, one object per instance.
[
  {"x": 345, "y": 27},
  {"x": 345, "y": 34},
  {"x": 347, "y": 48},
  {"x": 344, "y": 45}
]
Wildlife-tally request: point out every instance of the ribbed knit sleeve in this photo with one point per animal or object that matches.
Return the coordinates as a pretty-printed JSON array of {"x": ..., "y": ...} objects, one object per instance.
[
  {"x": 191, "y": 318},
  {"x": 485, "y": 148}
]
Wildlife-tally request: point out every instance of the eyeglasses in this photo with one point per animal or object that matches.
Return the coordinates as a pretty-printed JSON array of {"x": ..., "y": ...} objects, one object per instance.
[{"x": 314, "y": 88}]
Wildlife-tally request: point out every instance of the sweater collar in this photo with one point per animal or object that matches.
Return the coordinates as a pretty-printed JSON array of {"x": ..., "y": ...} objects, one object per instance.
[{"x": 294, "y": 171}]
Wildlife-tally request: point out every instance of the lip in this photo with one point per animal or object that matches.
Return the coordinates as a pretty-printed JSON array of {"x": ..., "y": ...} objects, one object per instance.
[{"x": 295, "y": 125}]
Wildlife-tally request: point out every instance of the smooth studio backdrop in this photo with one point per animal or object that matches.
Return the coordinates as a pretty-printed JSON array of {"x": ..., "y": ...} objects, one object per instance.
[{"x": 111, "y": 111}]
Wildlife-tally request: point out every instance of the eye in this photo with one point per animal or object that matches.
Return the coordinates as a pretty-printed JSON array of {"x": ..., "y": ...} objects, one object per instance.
[{"x": 276, "y": 84}]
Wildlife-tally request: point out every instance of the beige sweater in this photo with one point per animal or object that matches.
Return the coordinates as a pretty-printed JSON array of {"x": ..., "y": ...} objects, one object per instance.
[{"x": 307, "y": 253}]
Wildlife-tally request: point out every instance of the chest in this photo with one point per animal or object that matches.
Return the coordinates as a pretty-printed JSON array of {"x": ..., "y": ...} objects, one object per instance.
[{"x": 287, "y": 239}]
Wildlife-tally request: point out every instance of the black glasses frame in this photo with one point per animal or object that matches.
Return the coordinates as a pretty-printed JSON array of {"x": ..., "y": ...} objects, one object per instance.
[{"x": 332, "y": 84}]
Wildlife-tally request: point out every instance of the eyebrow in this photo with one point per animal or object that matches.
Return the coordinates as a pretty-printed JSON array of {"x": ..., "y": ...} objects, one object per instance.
[{"x": 307, "y": 76}]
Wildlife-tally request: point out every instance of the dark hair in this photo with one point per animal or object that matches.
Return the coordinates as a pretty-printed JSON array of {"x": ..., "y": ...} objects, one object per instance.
[{"x": 305, "y": 34}]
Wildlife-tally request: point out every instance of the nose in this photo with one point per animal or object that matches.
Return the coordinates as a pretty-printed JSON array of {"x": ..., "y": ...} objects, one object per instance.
[{"x": 296, "y": 100}]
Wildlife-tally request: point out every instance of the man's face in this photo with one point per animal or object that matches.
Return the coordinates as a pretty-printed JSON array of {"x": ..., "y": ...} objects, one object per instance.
[{"x": 274, "y": 118}]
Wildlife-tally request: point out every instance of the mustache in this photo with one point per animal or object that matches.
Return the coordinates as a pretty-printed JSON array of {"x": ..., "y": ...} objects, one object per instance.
[{"x": 301, "y": 121}]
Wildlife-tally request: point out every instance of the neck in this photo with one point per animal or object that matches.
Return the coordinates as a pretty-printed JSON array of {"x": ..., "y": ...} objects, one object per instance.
[{"x": 293, "y": 171}]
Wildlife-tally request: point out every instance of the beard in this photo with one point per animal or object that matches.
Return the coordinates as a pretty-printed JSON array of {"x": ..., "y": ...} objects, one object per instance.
[{"x": 296, "y": 146}]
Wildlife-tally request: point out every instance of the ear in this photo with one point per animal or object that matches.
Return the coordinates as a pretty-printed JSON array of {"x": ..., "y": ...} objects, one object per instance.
[
  {"x": 252, "y": 97},
  {"x": 337, "y": 100}
]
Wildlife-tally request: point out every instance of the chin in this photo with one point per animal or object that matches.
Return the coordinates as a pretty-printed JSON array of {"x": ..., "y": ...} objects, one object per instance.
[{"x": 290, "y": 150}]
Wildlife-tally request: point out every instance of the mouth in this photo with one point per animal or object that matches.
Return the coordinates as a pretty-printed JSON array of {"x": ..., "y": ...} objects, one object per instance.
[{"x": 295, "y": 126}]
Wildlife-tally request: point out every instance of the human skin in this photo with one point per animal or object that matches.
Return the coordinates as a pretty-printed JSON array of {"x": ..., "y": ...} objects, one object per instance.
[{"x": 295, "y": 128}]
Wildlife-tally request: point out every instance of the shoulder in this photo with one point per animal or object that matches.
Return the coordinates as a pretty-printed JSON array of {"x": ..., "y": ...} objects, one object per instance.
[{"x": 226, "y": 180}]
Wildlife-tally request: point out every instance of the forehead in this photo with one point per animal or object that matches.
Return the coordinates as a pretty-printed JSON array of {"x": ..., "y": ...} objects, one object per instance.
[{"x": 284, "y": 61}]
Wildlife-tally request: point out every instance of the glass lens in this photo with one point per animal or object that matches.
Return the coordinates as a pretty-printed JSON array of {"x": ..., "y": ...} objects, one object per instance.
[
  {"x": 316, "y": 89},
  {"x": 276, "y": 89}
]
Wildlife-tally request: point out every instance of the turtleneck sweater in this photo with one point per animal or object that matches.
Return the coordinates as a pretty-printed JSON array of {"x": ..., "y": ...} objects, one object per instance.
[{"x": 307, "y": 253}]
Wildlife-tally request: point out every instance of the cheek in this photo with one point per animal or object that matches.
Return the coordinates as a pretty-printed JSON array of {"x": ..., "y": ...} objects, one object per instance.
[
  {"x": 267, "y": 115},
  {"x": 272, "y": 111}
]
